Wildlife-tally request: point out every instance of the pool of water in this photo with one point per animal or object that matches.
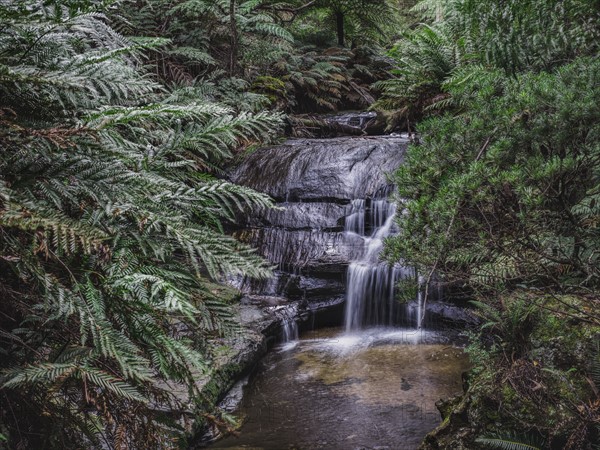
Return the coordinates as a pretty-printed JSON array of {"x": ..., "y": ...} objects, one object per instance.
[{"x": 375, "y": 388}]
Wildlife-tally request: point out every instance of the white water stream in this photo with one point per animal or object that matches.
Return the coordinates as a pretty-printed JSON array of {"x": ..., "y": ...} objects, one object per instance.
[{"x": 370, "y": 297}]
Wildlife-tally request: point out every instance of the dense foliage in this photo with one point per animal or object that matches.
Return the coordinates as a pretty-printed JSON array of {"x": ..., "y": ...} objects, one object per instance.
[
  {"x": 111, "y": 227},
  {"x": 357, "y": 21},
  {"x": 459, "y": 37},
  {"x": 500, "y": 200},
  {"x": 233, "y": 50},
  {"x": 506, "y": 192},
  {"x": 116, "y": 117}
]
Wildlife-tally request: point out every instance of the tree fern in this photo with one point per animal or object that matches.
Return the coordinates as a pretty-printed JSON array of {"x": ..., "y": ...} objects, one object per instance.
[
  {"x": 111, "y": 219},
  {"x": 198, "y": 29},
  {"x": 426, "y": 57}
]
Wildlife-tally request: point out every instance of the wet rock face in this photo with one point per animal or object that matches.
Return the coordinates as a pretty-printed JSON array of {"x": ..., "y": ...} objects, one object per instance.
[
  {"x": 318, "y": 215},
  {"x": 327, "y": 170},
  {"x": 316, "y": 184},
  {"x": 305, "y": 249}
]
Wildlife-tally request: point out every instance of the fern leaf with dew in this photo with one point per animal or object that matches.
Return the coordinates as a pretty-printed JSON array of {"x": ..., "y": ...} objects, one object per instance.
[{"x": 505, "y": 444}]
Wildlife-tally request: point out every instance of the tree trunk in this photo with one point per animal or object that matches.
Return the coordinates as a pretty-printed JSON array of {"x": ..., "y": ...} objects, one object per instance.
[
  {"x": 233, "y": 55},
  {"x": 339, "y": 17}
]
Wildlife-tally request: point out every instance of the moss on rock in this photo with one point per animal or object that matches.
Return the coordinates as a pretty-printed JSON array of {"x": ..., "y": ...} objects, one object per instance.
[{"x": 528, "y": 381}]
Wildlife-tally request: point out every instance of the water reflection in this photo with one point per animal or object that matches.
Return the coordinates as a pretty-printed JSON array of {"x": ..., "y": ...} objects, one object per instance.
[{"x": 373, "y": 388}]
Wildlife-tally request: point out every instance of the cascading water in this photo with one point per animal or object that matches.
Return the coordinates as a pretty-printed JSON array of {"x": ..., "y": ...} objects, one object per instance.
[
  {"x": 326, "y": 237},
  {"x": 323, "y": 188},
  {"x": 325, "y": 241},
  {"x": 355, "y": 222},
  {"x": 370, "y": 283},
  {"x": 289, "y": 330}
]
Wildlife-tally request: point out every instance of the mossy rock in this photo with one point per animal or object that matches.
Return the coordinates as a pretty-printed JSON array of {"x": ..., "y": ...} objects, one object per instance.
[
  {"x": 532, "y": 387},
  {"x": 455, "y": 431}
]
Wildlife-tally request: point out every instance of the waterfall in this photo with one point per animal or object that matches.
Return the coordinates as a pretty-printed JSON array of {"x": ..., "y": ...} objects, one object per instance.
[
  {"x": 370, "y": 283},
  {"x": 325, "y": 238},
  {"x": 355, "y": 222},
  {"x": 289, "y": 330}
]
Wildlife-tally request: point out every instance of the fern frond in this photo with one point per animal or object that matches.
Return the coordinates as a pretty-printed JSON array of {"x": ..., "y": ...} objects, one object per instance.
[{"x": 504, "y": 444}]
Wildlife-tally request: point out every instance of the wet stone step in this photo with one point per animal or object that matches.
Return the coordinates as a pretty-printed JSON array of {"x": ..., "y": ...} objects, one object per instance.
[{"x": 311, "y": 169}]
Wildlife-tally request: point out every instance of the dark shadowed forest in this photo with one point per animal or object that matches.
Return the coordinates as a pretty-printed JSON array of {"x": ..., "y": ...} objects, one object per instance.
[{"x": 132, "y": 153}]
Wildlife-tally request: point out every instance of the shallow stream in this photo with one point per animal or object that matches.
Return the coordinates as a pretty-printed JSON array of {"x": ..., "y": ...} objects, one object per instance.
[{"x": 373, "y": 388}]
